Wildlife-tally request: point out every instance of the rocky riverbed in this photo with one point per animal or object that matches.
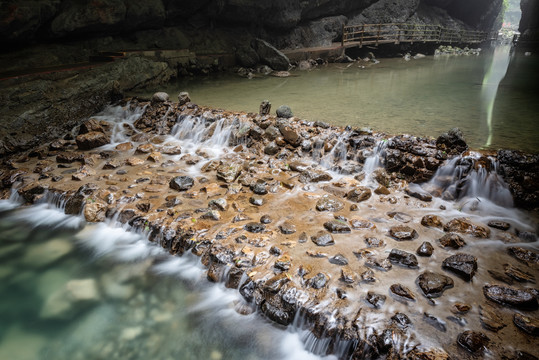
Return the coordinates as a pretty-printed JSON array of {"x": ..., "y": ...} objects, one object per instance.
[{"x": 317, "y": 226}]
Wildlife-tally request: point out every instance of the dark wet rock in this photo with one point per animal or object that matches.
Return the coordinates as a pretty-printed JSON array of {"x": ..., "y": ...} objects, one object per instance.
[
  {"x": 290, "y": 135},
  {"x": 499, "y": 224},
  {"x": 473, "y": 341},
  {"x": 402, "y": 232},
  {"x": 298, "y": 166},
  {"x": 490, "y": 319},
  {"x": 182, "y": 183},
  {"x": 382, "y": 190},
  {"x": 91, "y": 125},
  {"x": 465, "y": 226},
  {"x": 211, "y": 215},
  {"x": 373, "y": 242},
  {"x": 361, "y": 224},
  {"x": 431, "y": 221},
  {"x": 314, "y": 176},
  {"x": 265, "y": 219},
  {"x": 527, "y": 324},
  {"x": 284, "y": 111},
  {"x": 254, "y": 227},
  {"x": 287, "y": 228},
  {"x": 303, "y": 237},
  {"x": 452, "y": 142},
  {"x": 270, "y": 56},
  {"x": 337, "y": 227},
  {"x": 524, "y": 255},
  {"x": 526, "y": 236},
  {"x": 159, "y": 97},
  {"x": 425, "y": 249},
  {"x": 435, "y": 322},
  {"x": 368, "y": 276},
  {"x": 521, "y": 172},
  {"x": 404, "y": 258},
  {"x": 75, "y": 203},
  {"x": 400, "y": 216},
  {"x": 329, "y": 203},
  {"x": 69, "y": 157},
  {"x": 384, "y": 265},
  {"x": 183, "y": 98},
  {"x": 323, "y": 238},
  {"x": 318, "y": 281},
  {"x": 218, "y": 204},
  {"x": 255, "y": 200},
  {"x": 283, "y": 263},
  {"x": 272, "y": 133},
  {"x": 433, "y": 284},
  {"x": 401, "y": 320},
  {"x": 419, "y": 194},
  {"x": 274, "y": 250},
  {"x": 518, "y": 274},
  {"x": 265, "y": 106},
  {"x": 457, "y": 320},
  {"x": 229, "y": 172},
  {"x": 338, "y": 259},
  {"x": 259, "y": 188},
  {"x": 500, "y": 276},
  {"x": 509, "y": 296},
  {"x": 276, "y": 313},
  {"x": 402, "y": 291},
  {"x": 359, "y": 194},
  {"x": 464, "y": 265},
  {"x": 376, "y": 300},
  {"x": 347, "y": 275},
  {"x": 91, "y": 140},
  {"x": 453, "y": 241}
]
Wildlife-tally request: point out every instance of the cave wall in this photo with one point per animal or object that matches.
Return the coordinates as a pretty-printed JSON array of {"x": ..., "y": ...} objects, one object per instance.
[{"x": 529, "y": 23}]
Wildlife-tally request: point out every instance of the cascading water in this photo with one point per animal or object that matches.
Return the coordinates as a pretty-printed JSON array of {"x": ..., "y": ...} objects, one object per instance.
[
  {"x": 374, "y": 161},
  {"x": 491, "y": 82}
]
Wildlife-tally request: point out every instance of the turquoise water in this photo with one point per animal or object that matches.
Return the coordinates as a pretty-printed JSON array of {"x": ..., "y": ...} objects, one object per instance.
[
  {"x": 423, "y": 97},
  {"x": 75, "y": 291}
]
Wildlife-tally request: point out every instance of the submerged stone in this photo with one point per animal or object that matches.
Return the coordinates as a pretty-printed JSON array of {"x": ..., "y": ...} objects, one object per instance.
[
  {"x": 524, "y": 255},
  {"x": 473, "y": 341},
  {"x": 499, "y": 224},
  {"x": 376, "y": 300},
  {"x": 509, "y": 296},
  {"x": 318, "y": 281},
  {"x": 401, "y": 320},
  {"x": 527, "y": 324},
  {"x": 402, "y": 291},
  {"x": 435, "y": 322},
  {"x": 490, "y": 319}
]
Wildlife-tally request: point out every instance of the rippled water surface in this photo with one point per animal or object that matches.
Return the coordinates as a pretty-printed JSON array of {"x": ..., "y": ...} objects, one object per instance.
[{"x": 424, "y": 97}]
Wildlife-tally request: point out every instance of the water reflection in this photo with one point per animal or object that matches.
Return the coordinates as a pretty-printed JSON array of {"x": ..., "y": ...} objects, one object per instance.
[{"x": 489, "y": 89}]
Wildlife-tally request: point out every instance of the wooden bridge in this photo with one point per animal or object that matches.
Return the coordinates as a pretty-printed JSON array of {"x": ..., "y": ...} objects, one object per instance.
[{"x": 396, "y": 33}]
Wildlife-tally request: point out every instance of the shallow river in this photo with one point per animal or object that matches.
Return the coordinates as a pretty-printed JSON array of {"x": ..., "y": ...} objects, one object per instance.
[{"x": 423, "y": 97}]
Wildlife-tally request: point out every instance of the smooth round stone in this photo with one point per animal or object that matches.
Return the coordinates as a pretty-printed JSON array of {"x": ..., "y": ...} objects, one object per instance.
[{"x": 426, "y": 249}]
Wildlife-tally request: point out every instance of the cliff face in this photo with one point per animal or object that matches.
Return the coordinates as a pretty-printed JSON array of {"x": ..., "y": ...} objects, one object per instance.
[
  {"x": 529, "y": 23},
  {"x": 50, "y": 20}
]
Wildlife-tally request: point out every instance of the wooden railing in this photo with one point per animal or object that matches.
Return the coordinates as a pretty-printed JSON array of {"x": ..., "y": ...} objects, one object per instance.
[{"x": 367, "y": 34}]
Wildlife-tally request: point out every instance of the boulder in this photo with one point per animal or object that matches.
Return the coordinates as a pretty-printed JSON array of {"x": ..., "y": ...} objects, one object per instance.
[
  {"x": 183, "y": 98},
  {"x": 160, "y": 97},
  {"x": 452, "y": 142},
  {"x": 270, "y": 56},
  {"x": 284, "y": 111},
  {"x": 91, "y": 140},
  {"x": 247, "y": 57}
]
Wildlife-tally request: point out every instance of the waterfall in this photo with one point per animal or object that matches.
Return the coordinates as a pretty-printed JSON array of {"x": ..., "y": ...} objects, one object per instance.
[
  {"x": 337, "y": 155},
  {"x": 491, "y": 82},
  {"x": 374, "y": 161}
]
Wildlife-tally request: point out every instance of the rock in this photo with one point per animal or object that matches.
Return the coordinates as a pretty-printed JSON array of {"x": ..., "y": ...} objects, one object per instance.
[
  {"x": 490, "y": 319},
  {"x": 368, "y": 276},
  {"x": 527, "y": 324},
  {"x": 359, "y": 194},
  {"x": 452, "y": 142},
  {"x": 499, "y": 224},
  {"x": 91, "y": 140},
  {"x": 134, "y": 161},
  {"x": 347, "y": 275},
  {"x": 382, "y": 190},
  {"x": 402, "y": 321},
  {"x": 402, "y": 291},
  {"x": 75, "y": 296},
  {"x": 303, "y": 237},
  {"x": 183, "y": 98},
  {"x": 181, "y": 183},
  {"x": 464, "y": 265},
  {"x": 338, "y": 259},
  {"x": 290, "y": 135},
  {"x": 155, "y": 157},
  {"x": 373, "y": 242},
  {"x": 460, "y": 308},
  {"x": 126, "y": 146},
  {"x": 400, "y": 216},
  {"x": 402, "y": 232},
  {"x": 287, "y": 228},
  {"x": 266, "y": 219},
  {"x": 431, "y": 221},
  {"x": 47, "y": 253},
  {"x": 265, "y": 108},
  {"x": 130, "y": 333},
  {"x": 160, "y": 97},
  {"x": 284, "y": 111},
  {"x": 384, "y": 265},
  {"x": 256, "y": 200},
  {"x": 254, "y": 227},
  {"x": 313, "y": 176},
  {"x": 259, "y": 188},
  {"x": 376, "y": 300},
  {"x": 418, "y": 193},
  {"x": 404, "y": 258},
  {"x": 318, "y": 281},
  {"x": 337, "y": 227},
  {"x": 473, "y": 341},
  {"x": 524, "y": 255},
  {"x": 329, "y": 203},
  {"x": 464, "y": 226},
  {"x": 211, "y": 215},
  {"x": 361, "y": 224},
  {"x": 433, "y": 284},
  {"x": 435, "y": 322},
  {"x": 89, "y": 126},
  {"x": 171, "y": 150},
  {"x": 145, "y": 149},
  {"x": 247, "y": 57},
  {"x": 518, "y": 274},
  {"x": 323, "y": 238},
  {"x": 218, "y": 204},
  {"x": 425, "y": 249},
  {"x": 95, "y": 211},
  {"x": 270, "y": 56},
  {"x": 272, "y": 148},
  {"x": 283, "y": 263},
  {"x": 229, "y": 172},
  {"x": 453, "y": 241},
  {"x": 509, "y": 296}
]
